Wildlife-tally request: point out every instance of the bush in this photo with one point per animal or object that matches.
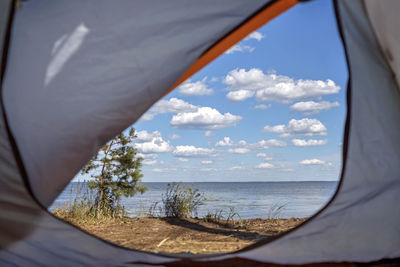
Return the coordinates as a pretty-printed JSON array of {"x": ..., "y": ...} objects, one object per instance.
[
  {"x": 82, "y": 207},
  {"x": 181, "y": 201}
]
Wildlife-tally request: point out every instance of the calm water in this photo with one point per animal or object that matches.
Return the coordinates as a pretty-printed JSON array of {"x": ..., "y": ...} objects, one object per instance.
[{"x": 250, "y": 199}]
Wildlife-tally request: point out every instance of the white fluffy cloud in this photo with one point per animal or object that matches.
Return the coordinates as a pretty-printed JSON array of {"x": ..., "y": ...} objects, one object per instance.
[
  {"x": 147, "y": 156},
  {"x": 265, "y": 144},
  {"x": 246, "y": 48},
  {"x": 209, "y": 169},
  {"x": 206, "y": 162},
  {"x": 311, "y": 107},
  {"x": 239, "y": 150},
  {"x": 273, "y": 87},
  {"x": 263, "y": 156},
  {"x": 175, "y": 136},
  {"x": 151, "y": 142},
  {"x": 144, "y": 136},
  {"x": 239, "y": 95},
  {"x": 183, "y": 159},
  {"x": 225, "y": 142},
  {"x": 149, "y": 162},
  {"x": 255, "y": 35},
  {"x": 306, "y": 127},
  {"x": 195, "y": 88},
  {"x": 192, "y": 151},
  {"x": 173, "y": 105},
  {"x": 242, "y": 143},
  {"x": 309, "y": 142},
  {"x": 261, "y": 106},
  {"x": 239, "y": 48},
  {"x": 236, "y": 168},
  {"x": 312, "y": 162},
  {"x": 204, "y": 118},
  {"x": 163, "y": 170},
  {"x": 265, "y": 165},
  {"x": 209, "y": 134}
]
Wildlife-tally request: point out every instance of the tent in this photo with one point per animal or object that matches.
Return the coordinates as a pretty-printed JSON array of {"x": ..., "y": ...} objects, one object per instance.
[{"x": 75, "y": 73}]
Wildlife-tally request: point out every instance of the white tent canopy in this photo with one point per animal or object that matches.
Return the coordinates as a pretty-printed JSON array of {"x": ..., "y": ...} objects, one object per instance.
[{"x": 76, "y": 73}]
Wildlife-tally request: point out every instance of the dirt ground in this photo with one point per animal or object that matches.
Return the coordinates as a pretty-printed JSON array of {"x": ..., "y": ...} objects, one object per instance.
[{"x": 190, "y": 235}]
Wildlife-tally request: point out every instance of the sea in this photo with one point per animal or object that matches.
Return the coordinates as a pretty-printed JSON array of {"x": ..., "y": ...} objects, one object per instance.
[{"x": 247, "y": 199}]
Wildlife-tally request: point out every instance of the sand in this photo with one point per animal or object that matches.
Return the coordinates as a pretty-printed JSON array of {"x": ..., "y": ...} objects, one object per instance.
[{"x": 189, "y": 235}]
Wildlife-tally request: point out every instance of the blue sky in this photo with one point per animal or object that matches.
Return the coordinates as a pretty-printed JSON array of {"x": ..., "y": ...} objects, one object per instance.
[{"x": 270, "y": 109}]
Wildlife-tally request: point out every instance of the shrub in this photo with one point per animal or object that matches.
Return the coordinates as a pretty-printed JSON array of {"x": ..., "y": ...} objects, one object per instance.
[
  {"x": 214, "y": 217},
  {"x": 181, "y": 201},
  {"x": 82, "y": 208}
]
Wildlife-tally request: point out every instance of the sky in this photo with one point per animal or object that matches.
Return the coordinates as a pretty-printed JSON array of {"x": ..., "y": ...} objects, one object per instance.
[{"x": 272, "y": 108}]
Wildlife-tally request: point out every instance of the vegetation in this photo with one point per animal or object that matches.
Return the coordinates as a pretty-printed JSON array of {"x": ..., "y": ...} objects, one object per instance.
[
  {"x": 116, "y": 172},
  {"x": 274, "y": 212},
  {"x": 218, "y": 217},
  {"x": 181, "y": 201},
  {"x": 80, "y": 208}
]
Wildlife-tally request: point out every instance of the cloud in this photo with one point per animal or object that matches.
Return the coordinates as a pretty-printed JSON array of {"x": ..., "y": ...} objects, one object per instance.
[
  {"x": 312, "y": 162},
  {"x": 239, "y": 95},
  {"x": 272, "y": 87},
  {"x": 147, "y": 156},
  {"x": 239, "y": 150},
  {"x": 265, "y": 144},
  {"x": 206, "y": 162},
  {"x": 208, "y": 169},
  {"x": 209, "y": 134},
  {"x": 242, "y": 143},
  {"x": 265, "y": 165},
  {"x": 173, "y": 105},
  {"x": 163, "y": 170},
  {"x": 204, "y": 118},
  {"x": 264, "y": 156},
  {"x": 199, "y": 88},
  {"x": 255, "y": 35},
  {"x": 236, "y": 168},
  {"x": 183, "y": 159},
  {"x": 261, "y": 106},
  {"x": 311, "y": 107},
  {"x": 239, "y": 48},
  {"x": 149, "y": 162},
  {"x": 175, "y": 136},
  {"x": 246, "y": 48},
  {"x": 309, "y": 142},
  {"x": 225, "y": 142},
  {"x": 305, "y": 127},
  {"x": 192, "y": 151},
  {"x": 144, "y": 136},
  {"x": 151, "y": 142}
]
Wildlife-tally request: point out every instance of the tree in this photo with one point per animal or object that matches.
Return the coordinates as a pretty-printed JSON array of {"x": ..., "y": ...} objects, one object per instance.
[{"x": 116, "y": 172}]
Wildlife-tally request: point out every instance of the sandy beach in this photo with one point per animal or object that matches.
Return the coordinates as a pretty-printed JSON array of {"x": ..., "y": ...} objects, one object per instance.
[{"x": 191, "y": 235}]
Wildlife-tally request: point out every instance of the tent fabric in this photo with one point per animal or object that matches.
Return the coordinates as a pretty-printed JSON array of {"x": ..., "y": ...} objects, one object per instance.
[
  {"x": 384, "y": 17},
  {"x": 261, "y": 18},
  {"x": 362, "y": 223},
  {"x": 88, "y": 72},
  {"x": 92, "y": 68}
]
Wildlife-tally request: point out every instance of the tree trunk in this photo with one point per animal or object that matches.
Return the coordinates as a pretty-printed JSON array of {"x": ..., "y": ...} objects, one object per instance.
[{"x": 100, "y": 201}]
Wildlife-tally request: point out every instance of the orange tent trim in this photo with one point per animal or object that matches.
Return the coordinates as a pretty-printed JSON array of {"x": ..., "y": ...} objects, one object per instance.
[{"x": 235, "y": 36}]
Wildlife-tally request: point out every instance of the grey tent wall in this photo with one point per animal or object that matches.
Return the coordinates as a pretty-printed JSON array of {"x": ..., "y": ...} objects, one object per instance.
[
  {"x": 368, "y": 198},
  {"x": 344, "y": 231},
  {"x": 5, "y": 7}
]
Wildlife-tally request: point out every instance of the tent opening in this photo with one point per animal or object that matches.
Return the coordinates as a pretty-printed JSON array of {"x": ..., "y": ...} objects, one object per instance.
[{"x": 243, "y": 151}]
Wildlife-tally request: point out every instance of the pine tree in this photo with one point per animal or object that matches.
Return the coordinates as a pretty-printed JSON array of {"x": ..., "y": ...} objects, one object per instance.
[{"x": 116, "y": 172}]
